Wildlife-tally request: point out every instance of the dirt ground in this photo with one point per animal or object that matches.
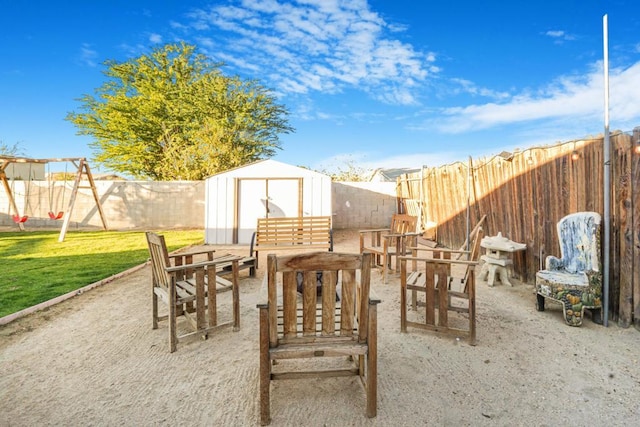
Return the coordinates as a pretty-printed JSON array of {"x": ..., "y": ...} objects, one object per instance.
[{"x": 94, "y": 360}]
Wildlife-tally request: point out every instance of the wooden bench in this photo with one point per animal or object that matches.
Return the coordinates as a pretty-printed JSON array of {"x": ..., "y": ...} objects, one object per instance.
[{"x": 287, "y": 233}]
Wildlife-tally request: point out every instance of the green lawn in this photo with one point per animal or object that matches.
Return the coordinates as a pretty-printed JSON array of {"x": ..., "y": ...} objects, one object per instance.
[{"x": 35, "y": 267}]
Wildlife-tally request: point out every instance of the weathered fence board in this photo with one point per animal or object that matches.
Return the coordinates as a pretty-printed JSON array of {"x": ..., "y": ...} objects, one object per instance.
[{"x": 525, "y": 194}]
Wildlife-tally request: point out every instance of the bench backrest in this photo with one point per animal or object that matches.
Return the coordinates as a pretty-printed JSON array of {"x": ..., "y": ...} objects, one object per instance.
[{"x": 290, "y": 231}]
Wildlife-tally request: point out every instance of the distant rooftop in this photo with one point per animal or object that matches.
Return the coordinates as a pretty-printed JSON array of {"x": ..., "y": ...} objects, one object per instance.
[{"x": 390, "y": 175}]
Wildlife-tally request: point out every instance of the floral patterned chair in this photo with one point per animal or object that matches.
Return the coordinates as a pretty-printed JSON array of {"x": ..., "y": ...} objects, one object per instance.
[{"x": 575, "y": 279}]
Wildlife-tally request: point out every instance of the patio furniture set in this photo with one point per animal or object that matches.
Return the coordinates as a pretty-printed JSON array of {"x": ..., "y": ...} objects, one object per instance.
[{"x": 317, "y": 304}]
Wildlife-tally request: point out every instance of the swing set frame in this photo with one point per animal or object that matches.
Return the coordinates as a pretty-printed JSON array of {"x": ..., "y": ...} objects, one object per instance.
[{"x": 82, "y": 169}]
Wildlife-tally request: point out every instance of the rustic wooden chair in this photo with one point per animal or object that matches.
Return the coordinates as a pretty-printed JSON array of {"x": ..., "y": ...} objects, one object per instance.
[
  {"x": 189, "y": 288},
  {"x": 575, "y": 279},
  {"x": 388, "y": 243},
  {"x": 440, "y": 285},
  {"x": 459, "y": 282},
  {"x": 314, "y": 324}
]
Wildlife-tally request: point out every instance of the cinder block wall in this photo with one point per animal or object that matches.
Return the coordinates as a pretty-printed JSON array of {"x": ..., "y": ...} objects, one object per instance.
[
  {"x": 126, "y": 204},
  {"x": 173, "y": 204},
  {"x": 363, "y": 204}
]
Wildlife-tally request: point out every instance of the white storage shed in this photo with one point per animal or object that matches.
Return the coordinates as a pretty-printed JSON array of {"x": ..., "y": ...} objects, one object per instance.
[{"x": 235, "y": 199}]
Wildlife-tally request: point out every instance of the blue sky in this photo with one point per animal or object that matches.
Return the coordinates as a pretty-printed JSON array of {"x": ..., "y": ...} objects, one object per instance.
[{"x": 375, "y": 83}]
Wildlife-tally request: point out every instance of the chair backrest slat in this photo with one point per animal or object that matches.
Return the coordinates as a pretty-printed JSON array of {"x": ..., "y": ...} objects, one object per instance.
[
  {"x": 289, "y": 304},
  {"x": 323, "y": 294},
  {"x": 348, "y": 302}
]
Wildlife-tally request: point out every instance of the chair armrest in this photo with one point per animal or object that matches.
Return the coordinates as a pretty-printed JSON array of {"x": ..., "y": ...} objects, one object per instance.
[
  {"x": 415, "y": 251},
  {"x": 374, "y": 230},
  {"x": 195, "y": 265},
  {"x": 191, "y": 253},
  {"x": 410, "y": 234},
  {"x": 553, "y": 263}
]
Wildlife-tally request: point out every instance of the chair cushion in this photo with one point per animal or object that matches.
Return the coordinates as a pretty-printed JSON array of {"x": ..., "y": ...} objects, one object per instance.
[{"x": 563, "y": 278}]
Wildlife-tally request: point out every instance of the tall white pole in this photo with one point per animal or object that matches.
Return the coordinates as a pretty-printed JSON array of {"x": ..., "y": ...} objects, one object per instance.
[{"x": 607, "y": 177}]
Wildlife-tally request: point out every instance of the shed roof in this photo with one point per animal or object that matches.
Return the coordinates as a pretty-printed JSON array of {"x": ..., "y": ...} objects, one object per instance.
[{"x": 268, "y": 169}]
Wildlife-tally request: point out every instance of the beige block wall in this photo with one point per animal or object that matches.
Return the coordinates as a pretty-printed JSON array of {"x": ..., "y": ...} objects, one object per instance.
[
  {"x": 173, "y": 204},
  {"x": 363, "y": 204},
  {"x": 126, "y": 204}
]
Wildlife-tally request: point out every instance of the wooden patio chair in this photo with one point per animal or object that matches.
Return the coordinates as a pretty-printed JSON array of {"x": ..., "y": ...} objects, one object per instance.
[
  {"x": 316, "y": 323},
  {"x": 439, "y": 285},
  {"x": 190, "y": 289},
  {"x": 388, "y": 243},
  {"x": 457, "y": 282}
]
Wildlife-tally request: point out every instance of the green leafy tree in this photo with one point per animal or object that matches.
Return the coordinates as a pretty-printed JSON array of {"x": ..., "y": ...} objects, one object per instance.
[{"x": 172, "y": 115}]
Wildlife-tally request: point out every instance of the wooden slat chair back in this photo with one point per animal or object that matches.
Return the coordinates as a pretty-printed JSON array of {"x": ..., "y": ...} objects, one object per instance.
[
  {"x": 457, "y": 282},
  {"x": 388, "y": 243},
  {"x": 316, "y": 323},
  {"x": 190, "y": 289},
  {"x": 431, "y": 279}
]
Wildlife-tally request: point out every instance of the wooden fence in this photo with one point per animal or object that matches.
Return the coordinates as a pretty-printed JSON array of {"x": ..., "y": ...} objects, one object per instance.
[{"x": 524, "y": 194}]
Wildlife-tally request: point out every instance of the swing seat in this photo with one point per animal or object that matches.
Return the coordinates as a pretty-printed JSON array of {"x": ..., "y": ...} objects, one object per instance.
[
  {"x": 59, "y": 215},
  {"x": 20, "y": 219}
]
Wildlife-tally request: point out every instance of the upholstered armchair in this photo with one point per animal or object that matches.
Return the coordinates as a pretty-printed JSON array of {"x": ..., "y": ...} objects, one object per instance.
[{"x": 574, "y": 279}]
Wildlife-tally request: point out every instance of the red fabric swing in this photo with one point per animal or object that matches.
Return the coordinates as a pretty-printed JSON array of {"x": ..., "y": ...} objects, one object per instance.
[
  {"x": 53, "y": 215},
  {"x": 60, "y": 214},
  {"x": 20, "y": 219},
  {"x": 17, "y": 218}
]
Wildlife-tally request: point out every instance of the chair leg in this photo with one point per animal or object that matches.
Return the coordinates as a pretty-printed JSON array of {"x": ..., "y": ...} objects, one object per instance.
[
  {"x": 596, "y": 315},
  {"x": 265, "y": 369},
  {"x": 173, "y": 332},
  {"x": 539, "y": 302},
  {"x": 236, "y": 296},
  {"x": 154, "y": 304},
  {"x": 372, "y": 363}
]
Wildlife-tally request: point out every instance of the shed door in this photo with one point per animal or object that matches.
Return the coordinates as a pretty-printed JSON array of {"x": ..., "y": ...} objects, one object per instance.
[{"x": 265, "y": 197}]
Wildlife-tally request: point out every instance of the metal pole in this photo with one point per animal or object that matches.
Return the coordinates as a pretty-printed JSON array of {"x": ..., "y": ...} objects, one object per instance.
[
  {"x": 607, "y": 177},
  {"x": 469, "y": 172}
]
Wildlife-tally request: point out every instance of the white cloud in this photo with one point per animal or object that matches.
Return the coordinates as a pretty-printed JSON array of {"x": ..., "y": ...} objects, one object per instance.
[
  {"x": 560, "y": 36},
  {"x": 155, "y": 38},
  {"x": 315, "y": 45},
  {"x": 574, "y": 98},
  {"x": 88, "y": 55}
]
